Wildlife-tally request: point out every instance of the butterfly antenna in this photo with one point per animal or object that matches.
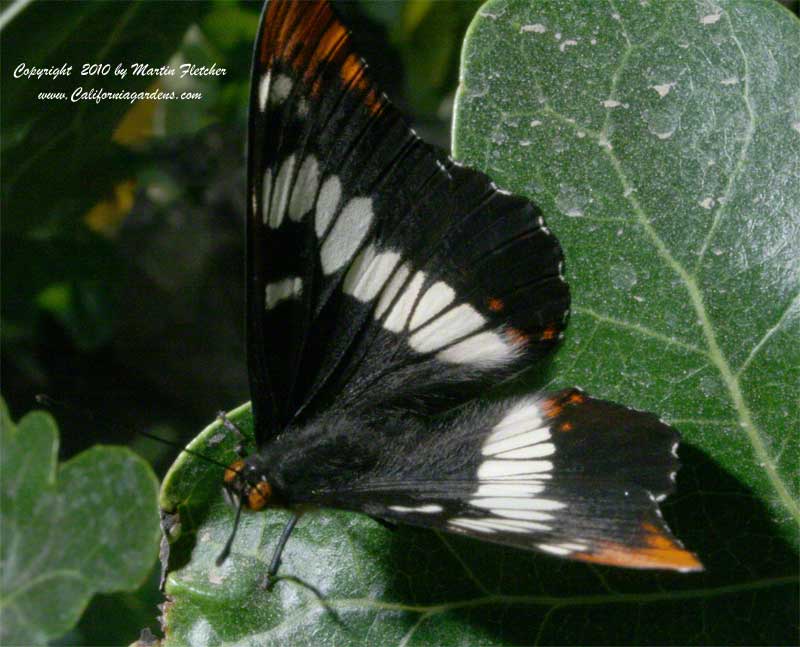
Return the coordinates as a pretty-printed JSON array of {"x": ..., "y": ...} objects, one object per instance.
[
  {"x": 147, "y": 434},
  {"x": 227, "y": 549},
  {"x": 51, "y": 403}
]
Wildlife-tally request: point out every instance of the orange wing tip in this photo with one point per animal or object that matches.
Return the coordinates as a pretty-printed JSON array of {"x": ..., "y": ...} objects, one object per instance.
[{"x": 660, "y": 551}]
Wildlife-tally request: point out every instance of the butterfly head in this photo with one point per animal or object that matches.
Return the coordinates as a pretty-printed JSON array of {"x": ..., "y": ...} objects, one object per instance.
[{"x": 246, "y": 481}]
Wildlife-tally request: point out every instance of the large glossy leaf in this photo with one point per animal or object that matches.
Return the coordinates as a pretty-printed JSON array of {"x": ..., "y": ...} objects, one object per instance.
[
  {"x": 662, "y": 141},
  {"x": 68, "y": 531}
]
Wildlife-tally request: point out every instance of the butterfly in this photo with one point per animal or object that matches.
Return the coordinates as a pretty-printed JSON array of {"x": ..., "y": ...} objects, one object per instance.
[{"x": 387, "y": 287}]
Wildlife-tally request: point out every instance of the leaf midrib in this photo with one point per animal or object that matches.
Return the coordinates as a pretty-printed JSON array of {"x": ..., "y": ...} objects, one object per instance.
[{"x": 554, "y": 602}]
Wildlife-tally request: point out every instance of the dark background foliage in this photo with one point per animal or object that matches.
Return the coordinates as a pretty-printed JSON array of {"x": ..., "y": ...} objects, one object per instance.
[{"x": 122, "y": 226}]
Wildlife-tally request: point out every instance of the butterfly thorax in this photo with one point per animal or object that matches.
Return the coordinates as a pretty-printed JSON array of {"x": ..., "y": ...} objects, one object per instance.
[{"x": 343, "y": 447}]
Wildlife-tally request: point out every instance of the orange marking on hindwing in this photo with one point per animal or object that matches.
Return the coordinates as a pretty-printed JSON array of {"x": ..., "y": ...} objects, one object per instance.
[
  {"x": 517, "y": 337},
  {"x": 567, "y": 426},
  {"x": 576, "y": 398},
  {"x": 551, "y": 407},
  {"x": 659, "y": 551},
  {"x": 495, "y": 304}
]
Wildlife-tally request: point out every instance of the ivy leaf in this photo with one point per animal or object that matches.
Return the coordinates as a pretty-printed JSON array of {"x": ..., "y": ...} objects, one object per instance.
[
  {"x": 87, "y": 526},
  {"x": 663, "y": 142},
  {"x": 649, "y": 134}
]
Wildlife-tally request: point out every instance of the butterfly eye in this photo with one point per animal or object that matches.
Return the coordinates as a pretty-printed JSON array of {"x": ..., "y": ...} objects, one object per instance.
[
  {"x": 234, "y": 470},
  {"x": 259, "y": 495}
]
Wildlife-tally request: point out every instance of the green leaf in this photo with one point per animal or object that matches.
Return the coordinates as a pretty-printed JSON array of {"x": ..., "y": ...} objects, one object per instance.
[
  {"x": 663, "y": 143},
  {"x": 87, "y": 526},
  {"x": 621, "y": 121}
]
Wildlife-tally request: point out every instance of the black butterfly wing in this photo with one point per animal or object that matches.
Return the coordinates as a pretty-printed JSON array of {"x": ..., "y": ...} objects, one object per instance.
[
  {"x": 379, "y": 271},
  {"x": 560, "y": 473}
]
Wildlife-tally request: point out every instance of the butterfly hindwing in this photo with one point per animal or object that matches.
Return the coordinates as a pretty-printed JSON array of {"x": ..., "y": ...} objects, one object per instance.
[
  {"x": 561, "y": 473},
  {"x": 379, "y": 270}
]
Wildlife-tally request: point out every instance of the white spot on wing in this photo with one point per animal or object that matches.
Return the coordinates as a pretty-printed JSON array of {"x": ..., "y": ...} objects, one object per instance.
[
  {"x": 534, "y": 451},
  {"x": 554, "y": 550},
  {"x": 491, "y": 524},
  {"x": 425, "y": 509},
  {"x": 369, "y": 273},
  {"x": 499, "y": 504},
  {"x": 436, "y": 298},
  {"x": 531, "y": 515},
  {"x": 451, "y": 326},
  {"x": 280, "y": 89},
  {"x": 391, "y": 290},
  {"x": 347, "y": 234},
  {"x": 471, "y": 524},
  {"x": 398, "y": 317},
  {"x": 516, "y": 437},
  {"x": 573, "y": 546},
  {"x": 284, "y": 289},
  {"x": 517, "y": 525},
  {"x": 280, "y": 193},
  {"x": 510, "y": 488},
  {"x": 327, "y": 203},
  {"x": 305, "y": 189},
  {"x": 497, "y": 469},
  {"x": 523, "y": 417},
  {"x": 263, "y": 91},
  {"x": 483, "y": 349},
  {"x": 302, "y": 108}
]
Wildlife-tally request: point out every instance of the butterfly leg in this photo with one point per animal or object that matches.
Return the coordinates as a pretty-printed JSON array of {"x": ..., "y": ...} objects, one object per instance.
[
  {"x": 233, "y": 429},
  {"x": 269, "y": 580}
]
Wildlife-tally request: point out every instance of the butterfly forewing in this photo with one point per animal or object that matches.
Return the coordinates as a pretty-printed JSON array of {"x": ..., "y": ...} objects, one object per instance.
[{"x": 379, "y": 269}]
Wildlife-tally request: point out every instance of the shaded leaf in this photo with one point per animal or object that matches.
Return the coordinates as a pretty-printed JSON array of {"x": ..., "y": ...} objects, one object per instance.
[{"x": 87, "y": 526}]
